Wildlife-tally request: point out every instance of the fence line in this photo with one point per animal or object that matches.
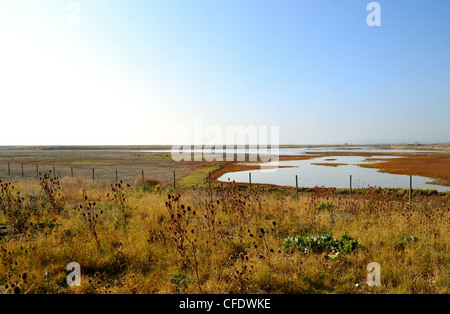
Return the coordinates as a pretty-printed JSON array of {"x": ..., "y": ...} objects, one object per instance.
[
  {"x": 19, "y": 171},
  {"x": 104, "y": 174}
]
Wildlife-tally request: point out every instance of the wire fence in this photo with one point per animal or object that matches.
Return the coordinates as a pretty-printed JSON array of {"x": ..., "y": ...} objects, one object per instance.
[{"x": 19, "y": 171}]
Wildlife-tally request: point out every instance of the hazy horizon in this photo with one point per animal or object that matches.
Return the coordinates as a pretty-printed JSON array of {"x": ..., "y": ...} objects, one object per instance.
[{"x": 228, "y": 145}]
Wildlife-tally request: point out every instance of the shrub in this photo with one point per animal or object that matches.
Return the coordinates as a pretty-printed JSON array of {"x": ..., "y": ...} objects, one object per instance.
[
  {"x": 146, "y": 187},
  {"x": 324, "y": 206},
  {"x": 15, "y": 208},
  {"x": 48, "y": 224},
  {"x": 146, "y": 184},
  {"x": 51, "y": 188},
  {"x": 322, "y": 243}
]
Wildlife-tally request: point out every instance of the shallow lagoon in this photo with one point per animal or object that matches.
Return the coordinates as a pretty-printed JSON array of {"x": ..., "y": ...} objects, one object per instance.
[{"x": 310, "y": 175}]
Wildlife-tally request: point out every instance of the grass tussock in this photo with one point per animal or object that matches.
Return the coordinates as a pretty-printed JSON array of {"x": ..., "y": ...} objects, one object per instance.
[
  {"x": 224, "y": 240},
  {"x": 146, "y": 182}
]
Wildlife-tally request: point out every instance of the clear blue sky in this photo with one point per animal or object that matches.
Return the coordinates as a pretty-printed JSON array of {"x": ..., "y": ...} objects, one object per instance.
[{"x": 134, "y": 70}]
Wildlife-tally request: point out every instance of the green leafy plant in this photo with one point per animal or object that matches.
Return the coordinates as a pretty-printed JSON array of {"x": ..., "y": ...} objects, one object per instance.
[
  {"x": 171, "y": 191},
  {"x": 146, "y": 187},
  {"x": 324, "y": 206},
  {"x": 180, "y": 282},
  {"x": 48, "y": 224},
  {"x": 408, "y": 240},
  {"x": 320, "y": 244}
]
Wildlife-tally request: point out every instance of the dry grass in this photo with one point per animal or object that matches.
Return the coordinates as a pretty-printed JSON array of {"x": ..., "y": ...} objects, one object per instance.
[
  {"x": 151, "y": 182},
  {"x": 227, "y": 240}
]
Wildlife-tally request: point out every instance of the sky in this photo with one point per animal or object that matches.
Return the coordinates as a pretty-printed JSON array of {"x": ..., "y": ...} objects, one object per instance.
[{"x": 116, "y": 72}]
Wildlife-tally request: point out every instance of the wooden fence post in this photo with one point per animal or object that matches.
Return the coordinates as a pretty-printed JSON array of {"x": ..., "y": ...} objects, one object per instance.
[
  {"x": 22, "y": 170},
  {"x": 143, "y": 177},
  {"x": 71, "y": 171},
  {"x": 93, "y": 174},
  {"x": 250, "y": 180},
  {"x": 116, "y": 177},
  {"x": 296, "y": 185},
  {"x": 350, "y": 184},
  {"x": 174, "y": 186},
  {"x": 410, "y": 189},
  {"x": 209, "y": 180},
  {"x": 37, "y": 171}
]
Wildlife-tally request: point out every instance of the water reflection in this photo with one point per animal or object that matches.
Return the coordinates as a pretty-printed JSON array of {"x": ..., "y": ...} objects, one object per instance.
[{"x": 329, "y": 174}]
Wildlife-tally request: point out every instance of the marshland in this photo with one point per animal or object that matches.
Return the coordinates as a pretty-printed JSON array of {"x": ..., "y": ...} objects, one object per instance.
[
  {"x": 145, "y": 235},
  {"x": 224, "y": 147}
]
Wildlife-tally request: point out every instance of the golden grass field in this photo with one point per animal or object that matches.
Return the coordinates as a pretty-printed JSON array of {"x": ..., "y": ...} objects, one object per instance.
[{"x": 225, "y": 240}]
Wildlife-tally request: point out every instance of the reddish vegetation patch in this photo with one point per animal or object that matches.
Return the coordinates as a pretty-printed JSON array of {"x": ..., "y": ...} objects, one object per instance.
[{"x": 432, "y": 166}]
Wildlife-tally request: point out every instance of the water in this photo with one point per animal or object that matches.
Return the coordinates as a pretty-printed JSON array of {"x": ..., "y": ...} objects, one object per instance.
[
  {"x": 310, "y": 175},
  {"x": 293, "y": 151}
]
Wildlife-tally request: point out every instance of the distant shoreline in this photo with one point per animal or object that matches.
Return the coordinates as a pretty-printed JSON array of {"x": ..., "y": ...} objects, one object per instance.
[{"x": 169, "y": 147}]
